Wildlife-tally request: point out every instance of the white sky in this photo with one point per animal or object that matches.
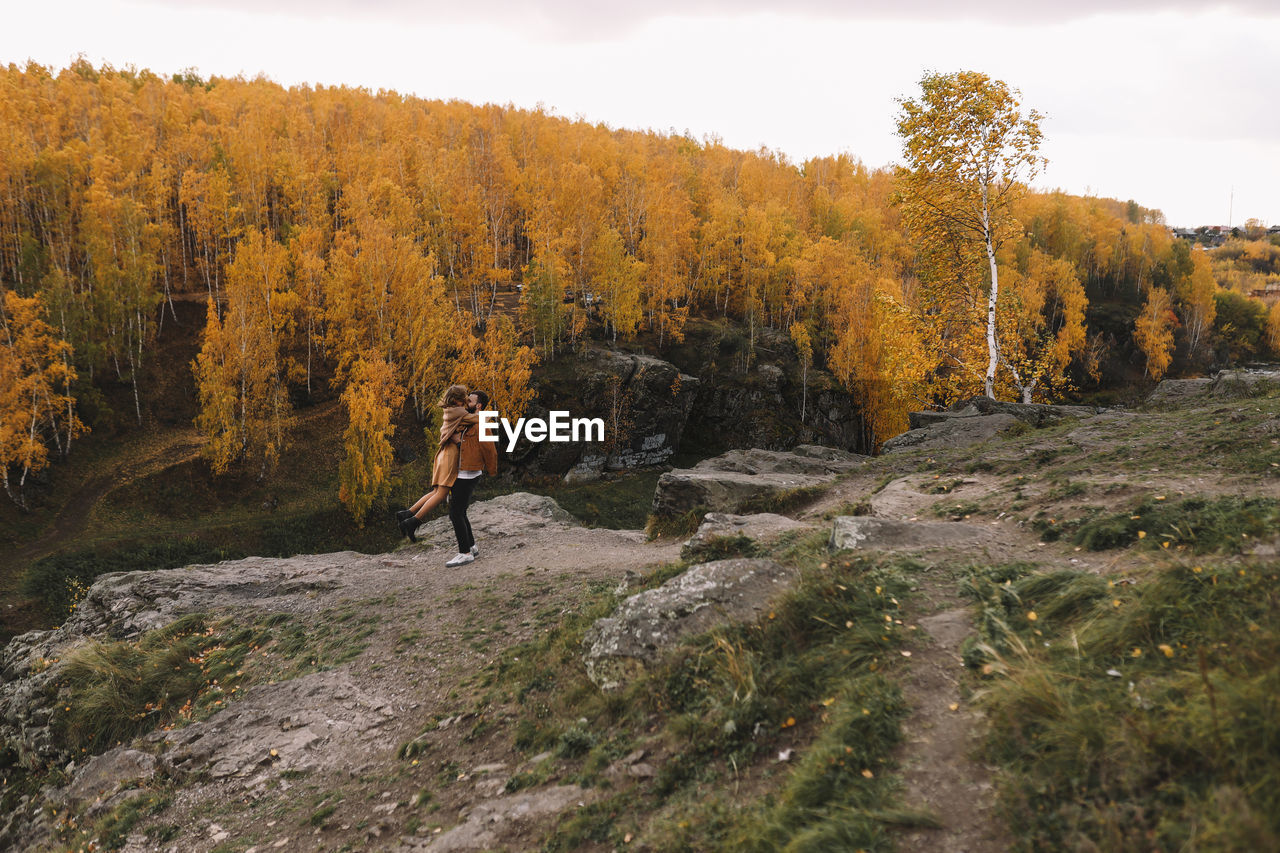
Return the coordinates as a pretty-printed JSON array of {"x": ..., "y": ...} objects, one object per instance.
[{"x": 1169, "y": 102}]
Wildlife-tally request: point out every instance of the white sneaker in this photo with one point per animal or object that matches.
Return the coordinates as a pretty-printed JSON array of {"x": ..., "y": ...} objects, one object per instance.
[
  {"x": 460, "y": 560},
  {"x": 475, "y": 550}
]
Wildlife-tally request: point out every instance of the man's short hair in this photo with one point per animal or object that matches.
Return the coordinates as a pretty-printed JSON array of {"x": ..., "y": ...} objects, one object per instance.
[{"x": 482, "y": 397}]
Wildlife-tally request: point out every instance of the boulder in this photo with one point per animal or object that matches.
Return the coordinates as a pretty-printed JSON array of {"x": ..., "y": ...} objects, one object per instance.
[
  {"x": 105, "y": 774},
  {"x": 956, "y": 431},
  {"x": 1245, "y": 382},
  {"x": 867, "y": 533},
  {"x": 735, "y": 480},
  {"x": 760, "y": 527},
  {"x": 1175, "y": 393},
  {"x": 517, "y": 514},
  {"x": 621, "y": 646}
]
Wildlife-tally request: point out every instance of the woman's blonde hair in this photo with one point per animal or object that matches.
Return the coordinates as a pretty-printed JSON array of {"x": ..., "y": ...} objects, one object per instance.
[{"x": 455, "y": 396}]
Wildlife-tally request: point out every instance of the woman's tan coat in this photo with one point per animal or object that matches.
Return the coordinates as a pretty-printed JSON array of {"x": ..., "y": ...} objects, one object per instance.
[{"x": 444, "y": 472}]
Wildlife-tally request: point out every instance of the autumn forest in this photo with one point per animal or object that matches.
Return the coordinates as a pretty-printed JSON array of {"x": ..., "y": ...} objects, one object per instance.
[{"x": 387, "y": 246}]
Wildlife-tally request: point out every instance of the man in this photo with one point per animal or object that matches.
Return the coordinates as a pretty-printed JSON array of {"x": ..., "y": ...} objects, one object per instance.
[{"x": 476, "y": 457}]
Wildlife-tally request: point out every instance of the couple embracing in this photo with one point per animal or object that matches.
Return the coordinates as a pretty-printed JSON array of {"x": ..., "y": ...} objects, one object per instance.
[{"x": 459, "y": 462}]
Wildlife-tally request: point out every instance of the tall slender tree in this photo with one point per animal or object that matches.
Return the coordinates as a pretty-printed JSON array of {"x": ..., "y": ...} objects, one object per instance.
[{"x": 970, "y": 152}]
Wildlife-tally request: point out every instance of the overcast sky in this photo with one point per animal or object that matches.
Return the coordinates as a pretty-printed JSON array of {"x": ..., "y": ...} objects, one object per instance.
[{"x": 1169, "y": 102}]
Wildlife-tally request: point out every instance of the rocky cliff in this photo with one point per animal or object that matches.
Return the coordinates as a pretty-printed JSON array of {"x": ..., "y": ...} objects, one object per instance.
[{"x": 699, "y": 397}]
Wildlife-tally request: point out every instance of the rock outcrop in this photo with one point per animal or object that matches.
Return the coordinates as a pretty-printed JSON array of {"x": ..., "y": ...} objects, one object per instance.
[
  {"x": 1173, "y": 394},
  {"x": 760, "y": 527},
  {"x": 976, "y": 420},
  {"x": 517, "y": 514},
  {"x": 1033, "y": 414},
  {"x": 123, "y": 605},
  {"x": 742, "y": 479},
  {"x": 959, "y": 430},
  {"x": 1176, "y": 393},
  {"x": 334, "y": 722},
  {"x": 621, "y": 646},
  {"x": 644, "y": 402},
  {"x": 861, "y": 532}
]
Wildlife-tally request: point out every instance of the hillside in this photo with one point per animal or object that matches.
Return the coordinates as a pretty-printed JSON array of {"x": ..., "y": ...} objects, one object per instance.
[
  {"x": 329, "y": 245},
  {"x": 1019, "y": 627}
]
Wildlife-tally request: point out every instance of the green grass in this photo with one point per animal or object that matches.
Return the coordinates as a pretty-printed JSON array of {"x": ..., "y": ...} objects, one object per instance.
[
  {"x": 676, "y": 527},
  {"x": 620, "y": 503},
  {"x": 1136, "y": 717},
  {"x": 110, "y": 829},
  {"x": 117, "y": 690},
  {"x": 1221, "y": 525},
  {"x": 722, "y": 548},
  {"x": 114, "y": 691},
  {"x": 813, "y": 668},
  {"x": 784, "y": 500}
]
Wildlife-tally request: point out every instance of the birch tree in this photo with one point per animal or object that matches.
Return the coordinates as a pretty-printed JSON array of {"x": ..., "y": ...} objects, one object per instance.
[{"x": 970, "y": 152}]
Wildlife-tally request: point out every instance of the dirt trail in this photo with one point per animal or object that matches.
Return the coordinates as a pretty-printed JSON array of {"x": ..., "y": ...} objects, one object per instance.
[
  {"x": 941, "y": 773},
  {"x": 942, "y": 733}
]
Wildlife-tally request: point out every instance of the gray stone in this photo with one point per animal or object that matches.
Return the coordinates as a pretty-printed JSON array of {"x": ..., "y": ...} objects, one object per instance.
[
  {"x": 488, "y": 822},
  {"x": 517, "y": 514},
  {"x": 273, "y": 728},
  {"x": 827, "y": 454},
  {"x": 732, "y": 481},
  {"x": 761, "y": 527},
  {"x": 862, "y": 532},
  {"x": 1174, "y": 393},
  {"x": 1245, "y": 382},
  {"x": 1034, "y": 414},
  {"x": 103, "y": 775},
  {"x": 975, "y": 420},
  {"x": 620, "y": 646},
  {"x": 959, "y": 431}
]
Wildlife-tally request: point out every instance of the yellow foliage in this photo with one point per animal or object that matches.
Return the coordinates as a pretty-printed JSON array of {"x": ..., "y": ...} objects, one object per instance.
[
  {"x": 370, "y": 398},
  {"x": 36, "y": 406},
  {"x": 1273, "y": 328},
  {"x": 1153, "y": 332}
]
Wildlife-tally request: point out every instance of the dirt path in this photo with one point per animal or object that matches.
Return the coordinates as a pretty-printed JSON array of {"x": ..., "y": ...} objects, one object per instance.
[
  {"x": 942, "y": 733},
  {"x": 941, "y": 774}
]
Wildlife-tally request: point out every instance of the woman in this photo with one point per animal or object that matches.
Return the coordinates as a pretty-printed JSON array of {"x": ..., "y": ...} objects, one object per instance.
[{"x": 444, "y": 472}]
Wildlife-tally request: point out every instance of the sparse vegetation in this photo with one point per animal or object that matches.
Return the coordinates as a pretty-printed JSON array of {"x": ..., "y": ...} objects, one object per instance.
[
  {"x": 811, "y": 669},
  {"x": 116, "y": 690},
  {"x": 1141, "y": 716},
  {"x": 1202, "y": 525},
  {"x": 677, "y": 527}
]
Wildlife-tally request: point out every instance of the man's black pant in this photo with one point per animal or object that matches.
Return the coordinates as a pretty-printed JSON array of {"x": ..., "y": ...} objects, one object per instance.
[{"x": 459, "y": 500}]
